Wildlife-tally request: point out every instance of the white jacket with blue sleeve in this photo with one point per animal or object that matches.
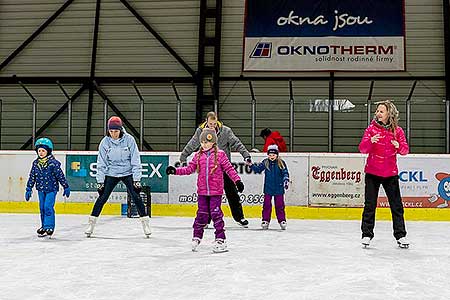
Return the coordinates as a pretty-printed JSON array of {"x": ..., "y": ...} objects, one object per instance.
[{"x": 118, "y": 158}]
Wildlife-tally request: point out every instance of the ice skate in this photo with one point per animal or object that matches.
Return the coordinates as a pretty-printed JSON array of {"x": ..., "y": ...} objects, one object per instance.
[
  {"x": 283, "y": 225},
  {"x": 219, "y": 246},
  {"x": 146, "y": 226},
  {"x": 243, "y": 223},
  {"x": 195, "y": 243},
  {"x": 365, "y": 241},
  {"x": 91, "y": 225},
  {"x": 403, "y": 243},
  {"x": 41, "y": 232},
  {"x": 265, "y": 225},
  {"x": 49, "y": 233}
]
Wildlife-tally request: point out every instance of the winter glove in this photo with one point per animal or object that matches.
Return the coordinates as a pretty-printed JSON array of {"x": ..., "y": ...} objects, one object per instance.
[
  {"x": 240, "y": 186},
  {"x": 137, "y": 186},
  {"x": 171, "y": 170},
  {"x": 100, "y": 188},
  {"x": 28, "y": 194},
  {"x": 286, "y": 184},
  {"x": 66, "y": 192}
]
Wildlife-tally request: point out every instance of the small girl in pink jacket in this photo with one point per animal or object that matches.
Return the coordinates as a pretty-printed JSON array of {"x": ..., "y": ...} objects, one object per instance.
[
  {"x": 383, "y": 140},
  {"x": 210, "y": 163}
]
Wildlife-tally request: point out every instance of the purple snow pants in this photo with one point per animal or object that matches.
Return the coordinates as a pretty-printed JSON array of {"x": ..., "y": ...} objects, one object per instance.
[
  {"x": 209, "y": 206},
  {"x": 279, "y": 208}
]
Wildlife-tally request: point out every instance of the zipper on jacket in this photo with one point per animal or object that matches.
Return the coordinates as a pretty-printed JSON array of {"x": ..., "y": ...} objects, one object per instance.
[{"x": 207, "y": 171}]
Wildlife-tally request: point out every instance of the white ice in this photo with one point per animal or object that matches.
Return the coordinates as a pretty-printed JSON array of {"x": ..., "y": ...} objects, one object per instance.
[{"x": 310, "y": 260}]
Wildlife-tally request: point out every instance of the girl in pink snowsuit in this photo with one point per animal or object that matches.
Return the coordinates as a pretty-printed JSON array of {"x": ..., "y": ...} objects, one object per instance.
[{"x": 210, "y": 163}]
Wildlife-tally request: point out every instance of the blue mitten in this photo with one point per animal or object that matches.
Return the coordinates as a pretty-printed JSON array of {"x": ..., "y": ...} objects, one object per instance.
[
  {"x": 66, "y": 192},
  {"x": 28, "y": 194}
]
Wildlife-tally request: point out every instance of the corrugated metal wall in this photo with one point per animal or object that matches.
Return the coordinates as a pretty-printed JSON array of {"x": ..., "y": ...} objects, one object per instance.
[{"x": 126, "y": 48}]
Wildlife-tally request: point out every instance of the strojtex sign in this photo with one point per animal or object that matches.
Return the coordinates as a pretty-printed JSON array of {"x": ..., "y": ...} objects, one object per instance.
[
  {"x": 81, "y": 171},
  {"x": 324, "y": 35}
]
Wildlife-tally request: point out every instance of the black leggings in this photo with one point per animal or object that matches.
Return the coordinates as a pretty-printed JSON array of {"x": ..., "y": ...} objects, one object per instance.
[
  {"x": 110, "y": 184},
  {"x": 234, "y": 200},
  {"x": 392, "y": 189}
]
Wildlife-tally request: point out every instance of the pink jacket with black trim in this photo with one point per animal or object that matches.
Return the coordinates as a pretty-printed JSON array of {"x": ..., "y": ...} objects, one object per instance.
[
  {"x": 382, "y": 159},
  {"x": 210, "y": 184}
]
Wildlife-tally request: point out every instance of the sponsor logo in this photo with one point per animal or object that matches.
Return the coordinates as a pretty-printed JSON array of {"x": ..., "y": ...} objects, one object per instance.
[
  {"x": 412, "y": 176},
  {"x": 300, "y": 50},
  {"x": 76, "y": 169},
  {"x": 338, "y": 175},
  {"x": 262, "y": 50}
]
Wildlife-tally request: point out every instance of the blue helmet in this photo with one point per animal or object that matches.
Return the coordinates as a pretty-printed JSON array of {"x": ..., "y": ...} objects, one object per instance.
[{"x": 45, "y": 143}]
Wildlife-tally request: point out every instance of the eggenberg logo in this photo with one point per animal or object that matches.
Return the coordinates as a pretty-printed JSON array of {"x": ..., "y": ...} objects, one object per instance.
[{"x": 262, "y": 50}]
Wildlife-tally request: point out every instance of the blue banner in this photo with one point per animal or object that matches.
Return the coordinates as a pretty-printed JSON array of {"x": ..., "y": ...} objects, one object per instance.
[{"x": 313, "y": 18}]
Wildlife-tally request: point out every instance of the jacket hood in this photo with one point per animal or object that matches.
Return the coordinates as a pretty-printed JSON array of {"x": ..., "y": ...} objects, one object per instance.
[
  {"x": 218, "y": 128},
  {"x": 119, "y": 140}
]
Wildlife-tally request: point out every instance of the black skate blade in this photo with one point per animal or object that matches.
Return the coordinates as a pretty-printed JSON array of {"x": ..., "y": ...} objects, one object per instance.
[{"x": 219, "y": 252}]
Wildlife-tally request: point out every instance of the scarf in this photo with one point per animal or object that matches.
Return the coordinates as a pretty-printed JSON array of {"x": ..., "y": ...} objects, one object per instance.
[{"x": 42, "y": 162}]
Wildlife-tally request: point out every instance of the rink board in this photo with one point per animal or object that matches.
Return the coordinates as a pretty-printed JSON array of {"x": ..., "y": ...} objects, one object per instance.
[{"x": 323, "y": 185}]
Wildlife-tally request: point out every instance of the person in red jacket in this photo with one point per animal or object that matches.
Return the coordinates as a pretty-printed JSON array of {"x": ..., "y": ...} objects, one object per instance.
[
  {"x": 383, "y": 139},
  {"x": 273, "y": 138}
]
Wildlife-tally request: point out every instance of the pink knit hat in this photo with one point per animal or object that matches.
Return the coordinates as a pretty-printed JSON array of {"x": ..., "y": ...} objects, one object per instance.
[{"x": 115, "y": 123}]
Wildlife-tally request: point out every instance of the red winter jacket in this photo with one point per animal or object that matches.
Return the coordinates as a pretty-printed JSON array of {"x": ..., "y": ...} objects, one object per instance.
[
  {"x": 210, "y": 184},
  {"x": 275, "y": 138},
  {"x": 382, "y": 159}
]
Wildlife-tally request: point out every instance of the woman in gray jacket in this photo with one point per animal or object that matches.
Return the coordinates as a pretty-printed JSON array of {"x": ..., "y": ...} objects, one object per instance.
[{"x": 118, "y": 160}]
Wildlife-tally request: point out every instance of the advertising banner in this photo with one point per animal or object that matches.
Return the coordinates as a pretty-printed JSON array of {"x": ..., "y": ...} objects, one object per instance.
[
  {"x": 17, "y": 166},
  {"x": 424, "y": 183},
  {"x": 317, "y": 179},
  {"x": 336, "y": 180},
  {"x": 81, "y": 171},
  {"x": 324, "y": 35},
  {"x": 182, "y": 189}
]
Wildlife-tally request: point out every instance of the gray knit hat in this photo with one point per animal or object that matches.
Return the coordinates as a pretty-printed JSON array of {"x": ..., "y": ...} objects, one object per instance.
[{"x": 208, "y": 135}]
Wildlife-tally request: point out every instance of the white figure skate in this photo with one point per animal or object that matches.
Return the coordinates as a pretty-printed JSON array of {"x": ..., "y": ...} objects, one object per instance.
[
  {"x": 403, "y": 243},
  {"x": 365, "y": 241},
  {"x": 146, "y": 226},
  {"x": 91, "y": 225},
  {"x": 219, "y": 246},
  {"x": 195, "y": 243}
]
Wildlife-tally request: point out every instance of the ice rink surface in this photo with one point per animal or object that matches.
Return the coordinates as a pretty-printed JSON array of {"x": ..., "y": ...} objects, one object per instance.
[{"x": 310, "y": 260}]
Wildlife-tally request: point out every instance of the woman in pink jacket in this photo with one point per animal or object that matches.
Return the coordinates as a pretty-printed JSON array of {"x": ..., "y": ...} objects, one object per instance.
[
  {"x": 383, "y": 140},
  {"x": 210, "y": 163}
]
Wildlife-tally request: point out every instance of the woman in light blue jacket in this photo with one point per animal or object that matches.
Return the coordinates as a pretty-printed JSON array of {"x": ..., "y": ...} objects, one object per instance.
[{"x": 118, "y": 160}]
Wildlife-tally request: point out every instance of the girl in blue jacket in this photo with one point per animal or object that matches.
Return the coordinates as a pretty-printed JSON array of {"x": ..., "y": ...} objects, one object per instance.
[
  {"x": 118, "y": 160},
  {"x": 276, "y": 180},
  {"x": 46, "y": 173}
]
